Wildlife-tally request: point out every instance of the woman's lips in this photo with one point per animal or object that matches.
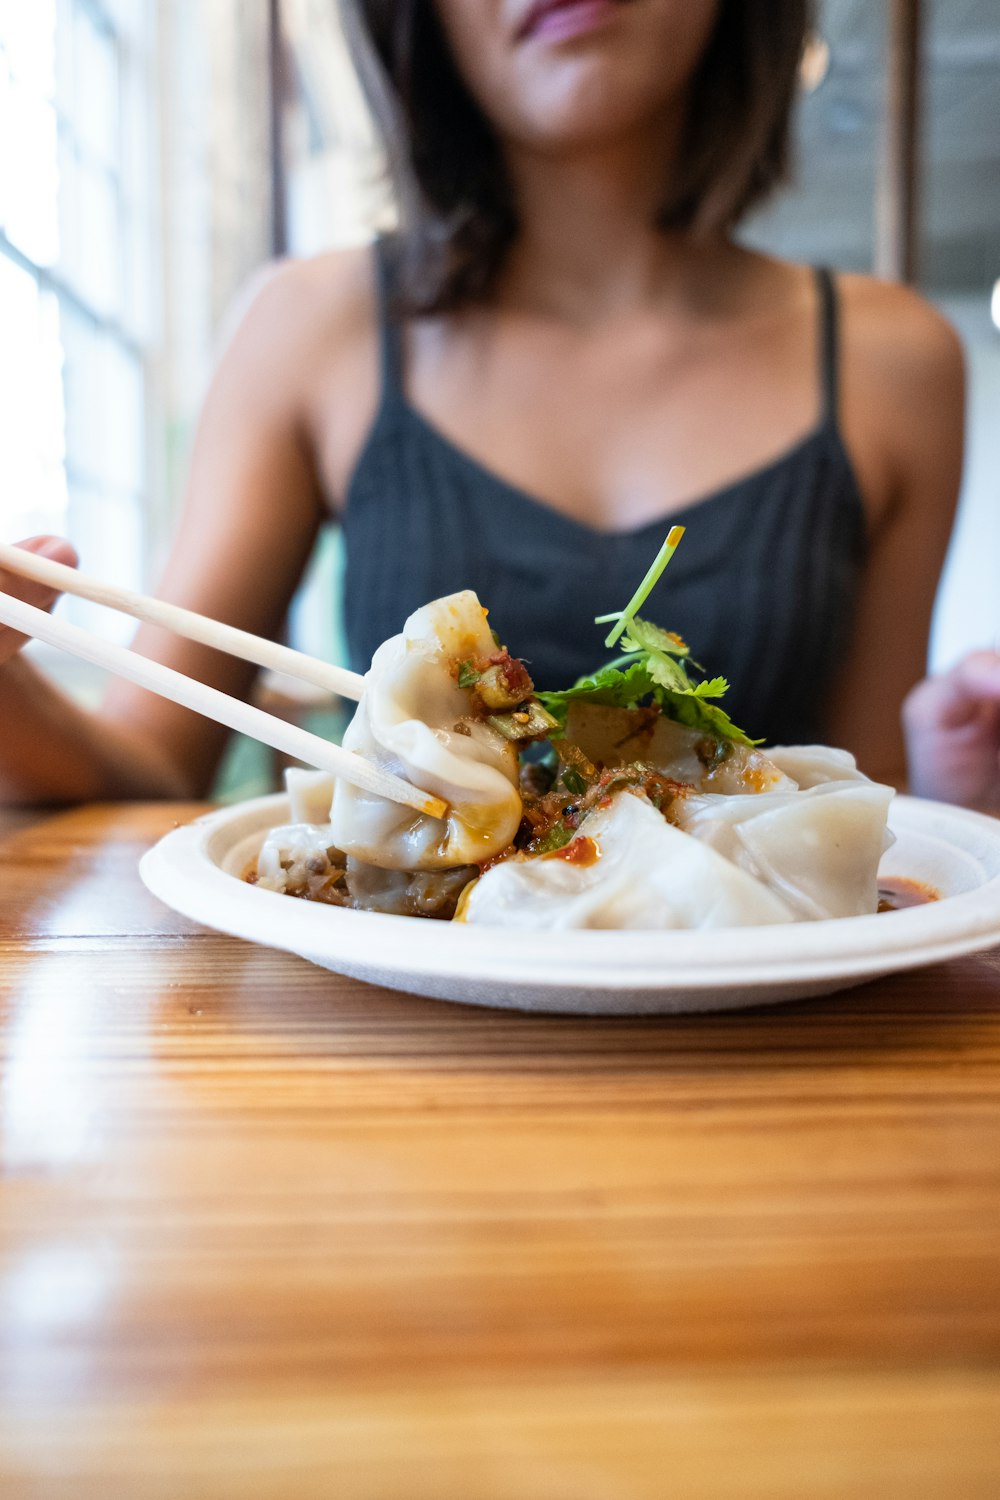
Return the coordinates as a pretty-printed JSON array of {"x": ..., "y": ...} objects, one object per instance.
[{"x": 560, "y": 20}]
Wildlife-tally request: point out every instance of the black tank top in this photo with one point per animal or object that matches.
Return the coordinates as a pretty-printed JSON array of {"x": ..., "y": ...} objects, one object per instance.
[{"x": 763, "y": 588}]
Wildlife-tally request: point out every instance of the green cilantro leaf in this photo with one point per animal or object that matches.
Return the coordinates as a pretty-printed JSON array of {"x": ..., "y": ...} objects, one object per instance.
[
  {"x": 666, "y": 672},
  {"x": 642, "y": 635},
  {"x": 691, "y": 709},
  {"x": 653, "y": 671},
  {"x": 610, "y": 686}
]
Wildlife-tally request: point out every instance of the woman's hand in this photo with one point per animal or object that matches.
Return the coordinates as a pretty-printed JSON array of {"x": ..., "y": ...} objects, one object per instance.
[
  {"x": 32, "y": 593},
  {"x": 952, "y": 727}
]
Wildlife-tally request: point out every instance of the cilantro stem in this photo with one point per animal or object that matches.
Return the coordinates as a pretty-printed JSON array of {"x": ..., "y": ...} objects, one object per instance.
[{"x": 646, "y": 587}]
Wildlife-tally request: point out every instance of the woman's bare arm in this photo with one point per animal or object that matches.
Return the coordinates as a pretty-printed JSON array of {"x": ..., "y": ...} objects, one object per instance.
[
  {"x": 903, "y": 417},
  {"x": 250, "y": 517}
]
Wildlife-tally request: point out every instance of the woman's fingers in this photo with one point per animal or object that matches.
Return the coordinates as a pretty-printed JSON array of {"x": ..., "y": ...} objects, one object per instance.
[
  {"x": 955, "y": 698},
  {"x": 952, "y": 725},
  {"x": 54, "y": 547},
  {"x": 979, "y": 674}
]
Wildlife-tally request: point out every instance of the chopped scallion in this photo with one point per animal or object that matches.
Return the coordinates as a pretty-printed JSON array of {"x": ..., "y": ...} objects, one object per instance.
[
  {"x": 557, "y": 837},
  {"x": 573, "y": 781}
]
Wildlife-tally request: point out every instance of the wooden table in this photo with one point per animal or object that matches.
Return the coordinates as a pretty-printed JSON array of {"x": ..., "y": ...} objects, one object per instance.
[{"x": 268, "y": 1232}]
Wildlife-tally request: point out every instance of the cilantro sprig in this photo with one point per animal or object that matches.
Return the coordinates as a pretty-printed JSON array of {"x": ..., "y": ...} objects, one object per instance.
[
  {"x": 645, "y": 588},
  {"x": 653, "y": 668}
]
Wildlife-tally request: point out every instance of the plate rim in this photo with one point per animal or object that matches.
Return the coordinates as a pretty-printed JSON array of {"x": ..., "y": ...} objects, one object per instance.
[{"x": 180, "y": 871}]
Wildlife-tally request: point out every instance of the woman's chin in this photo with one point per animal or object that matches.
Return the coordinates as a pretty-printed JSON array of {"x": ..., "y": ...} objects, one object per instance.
[{"x": 590, "y": 106}]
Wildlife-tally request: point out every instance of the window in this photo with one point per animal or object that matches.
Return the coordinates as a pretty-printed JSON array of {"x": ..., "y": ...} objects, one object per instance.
[{"x": 76, "y": 237}]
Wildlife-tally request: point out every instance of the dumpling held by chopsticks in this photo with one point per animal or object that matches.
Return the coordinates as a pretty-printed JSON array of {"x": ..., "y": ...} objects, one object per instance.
[{"x": 423, "y": 717}]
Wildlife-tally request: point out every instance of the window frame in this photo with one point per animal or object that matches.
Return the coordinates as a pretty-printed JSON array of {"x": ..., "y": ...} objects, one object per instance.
[{"x": 132, "y": 329}]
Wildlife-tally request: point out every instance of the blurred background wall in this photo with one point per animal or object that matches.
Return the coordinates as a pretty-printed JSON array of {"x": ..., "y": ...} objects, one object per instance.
[
  {"x": 833, "y": 216},
  {"x": 155, "y": 153}
]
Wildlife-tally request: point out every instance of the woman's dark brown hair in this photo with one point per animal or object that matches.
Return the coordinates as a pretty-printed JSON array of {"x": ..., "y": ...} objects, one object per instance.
[{"x": 457, "y": 212}]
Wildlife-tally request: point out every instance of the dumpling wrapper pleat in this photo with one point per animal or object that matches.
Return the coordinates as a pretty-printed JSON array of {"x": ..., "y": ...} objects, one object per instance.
[{"x": 817, "y": 849}]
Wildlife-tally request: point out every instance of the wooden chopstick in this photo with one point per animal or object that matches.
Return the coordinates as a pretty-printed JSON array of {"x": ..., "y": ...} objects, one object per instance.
[
  {"x": 242, "y": 717},
  {"x": 184, "y": 622}
]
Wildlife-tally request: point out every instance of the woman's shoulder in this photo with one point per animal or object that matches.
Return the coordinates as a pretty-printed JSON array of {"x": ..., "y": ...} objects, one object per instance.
[
  {"x": 881, "y": 322},
  {"x": 298, "y": 305},
  {"x": 897, "y": 335},
  {"x": 301, "y": 352},
  {"x": 902, "y": 395}
]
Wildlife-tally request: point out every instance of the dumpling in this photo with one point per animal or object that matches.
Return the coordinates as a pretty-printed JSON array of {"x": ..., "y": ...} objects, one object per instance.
[
  {"x": 407, "y": 893},
  {"x": 310, "y": 794},
  {"x": 811, "y": 765},
  {"x": 415, "y": 720},
  {"x": 300, "y": 859},
  {"x": 817, "y": 849},
  {"x": 294, "y": 856},
  {"x": 636, "y": 871}
]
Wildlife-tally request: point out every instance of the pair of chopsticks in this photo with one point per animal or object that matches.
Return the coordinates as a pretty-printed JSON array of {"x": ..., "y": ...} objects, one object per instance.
[{"x": 156, "y": 678}]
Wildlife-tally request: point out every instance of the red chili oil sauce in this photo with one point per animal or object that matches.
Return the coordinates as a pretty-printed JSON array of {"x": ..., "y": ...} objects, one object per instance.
[
  {"x": 895, "y": 893},
  {"x": 581, "y": 851}
]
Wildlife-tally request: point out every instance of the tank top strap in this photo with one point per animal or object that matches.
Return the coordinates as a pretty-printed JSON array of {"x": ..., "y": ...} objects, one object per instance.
[
  {"x": 829, "y": 342},
  {"x": 390, "y": 342}
]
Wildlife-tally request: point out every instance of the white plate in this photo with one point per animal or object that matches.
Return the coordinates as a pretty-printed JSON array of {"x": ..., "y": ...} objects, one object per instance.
[{"x": 196, "y": 871}]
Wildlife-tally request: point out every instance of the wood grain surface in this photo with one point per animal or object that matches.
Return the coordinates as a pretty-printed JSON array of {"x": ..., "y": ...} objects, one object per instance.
[{"x": 266, "y": 1232}]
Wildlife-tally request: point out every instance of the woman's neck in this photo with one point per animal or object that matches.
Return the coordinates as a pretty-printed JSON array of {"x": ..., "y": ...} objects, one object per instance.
[{"x": 589, "y": 247}]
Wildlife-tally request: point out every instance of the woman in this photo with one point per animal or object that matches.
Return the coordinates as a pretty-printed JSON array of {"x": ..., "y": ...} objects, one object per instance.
[{"x": 518, "y": 395}]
